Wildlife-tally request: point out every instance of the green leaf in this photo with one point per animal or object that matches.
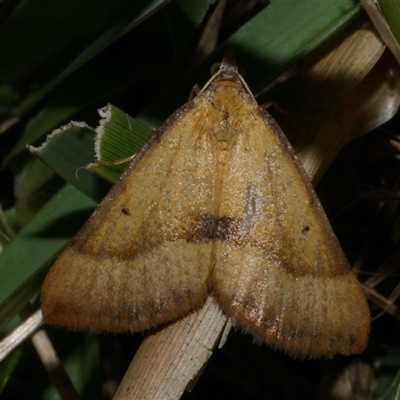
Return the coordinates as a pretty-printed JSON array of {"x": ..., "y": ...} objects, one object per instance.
[
  {"x": 70, "y": 150},
  {"x": 36, "y": 184},
  {"x": 127, "y": 61},
  {"x": 267, "y": 45},
  {"x": 7, "y": 367},
  {"x": 119, "y": 136},
  {"x": 388, "y": 378},
  {"x": 66, "y": 151},
  {"x": 130, "y": 15},
  {"x": 25, "y": 261},
  {"x": 391, "y": 11}
]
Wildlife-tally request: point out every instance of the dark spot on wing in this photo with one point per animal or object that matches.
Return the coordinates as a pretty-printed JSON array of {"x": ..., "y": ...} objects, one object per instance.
[{"x": 208, "y": 228}]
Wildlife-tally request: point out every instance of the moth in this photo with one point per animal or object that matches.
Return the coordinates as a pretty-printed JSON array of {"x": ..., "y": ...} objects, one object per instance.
[{"x": 216, "y": 203}]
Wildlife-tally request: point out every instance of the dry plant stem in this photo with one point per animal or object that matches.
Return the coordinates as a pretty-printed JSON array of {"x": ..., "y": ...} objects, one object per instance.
[
  {"x": 52, "y": 363},
  {"x": 45, "y": 350},
  {"x": 333, "y": 126},
  {"x": 394, "y": 295},
  {"x": 382, "y": 301},
  {"x": 382, "y": 27},
  {"x": 19, "y": 335},
  {"x": 338, "y": 96},
  {"x": 361, "y": 377},
  {"x": 385, "y": 270},
  {"x": 355, "y": 382},
  {"x": 7, "y": 124},
  {"x": 172, "y": 356},
  {"x": 208, "y": 40}
]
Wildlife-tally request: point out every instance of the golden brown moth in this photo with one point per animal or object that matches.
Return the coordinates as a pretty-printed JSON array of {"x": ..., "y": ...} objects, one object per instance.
[{"x": 215, "y": 203}]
